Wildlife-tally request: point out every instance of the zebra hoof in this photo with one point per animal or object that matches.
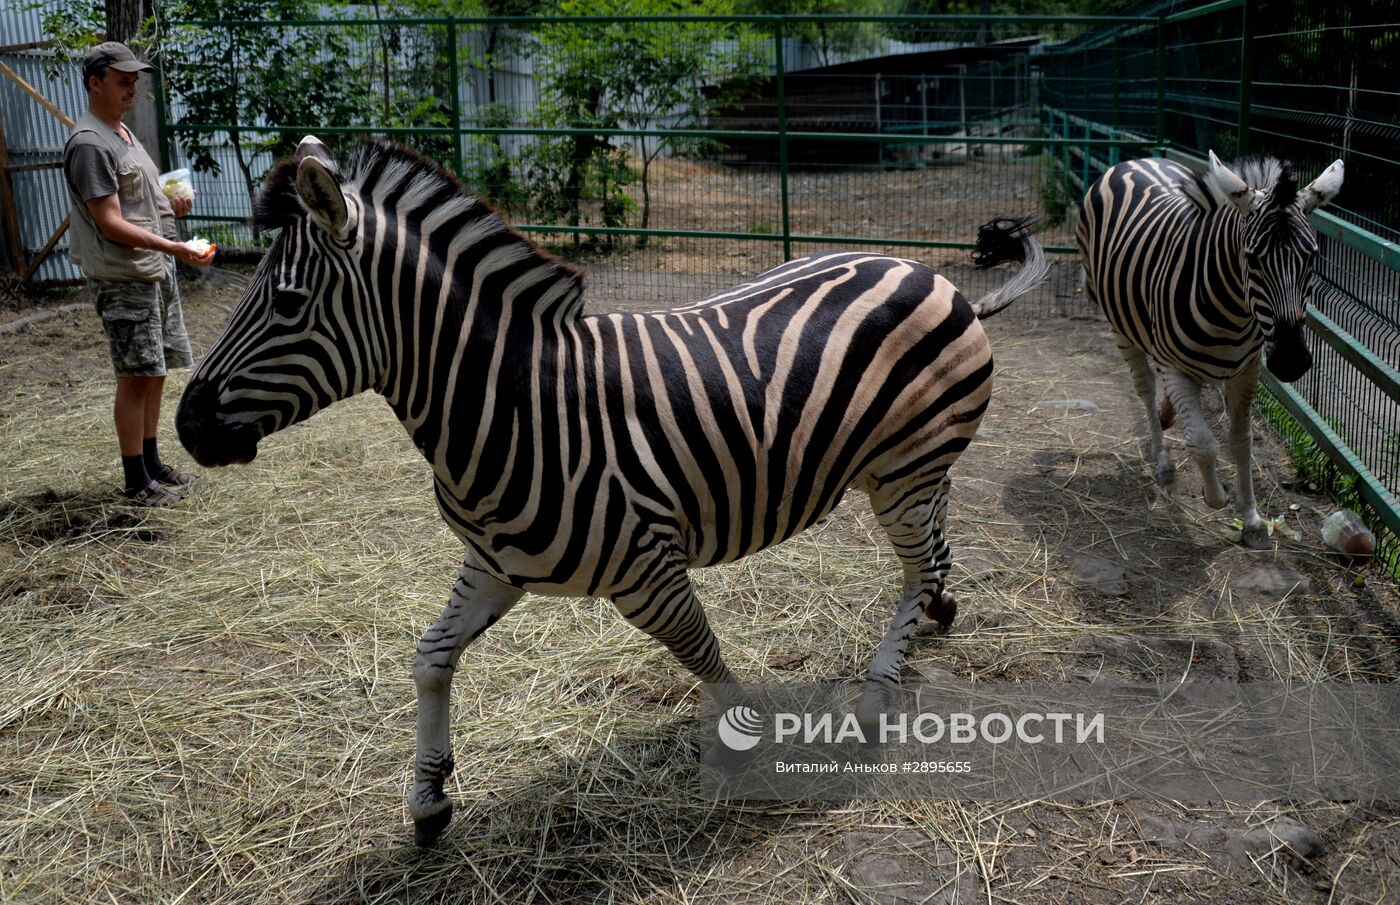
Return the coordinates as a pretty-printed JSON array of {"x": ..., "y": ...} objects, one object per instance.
[
  {"x": 874, "y": 703},
  {"x": 723, "y": 758},
  {"x": 426, "y": 830},
  {"x": 944, "y": 610},
  {"x": 1220, "y": 500},
  {"x": 1166, "y": 476},
  {"x": 1256, "y": 537}
]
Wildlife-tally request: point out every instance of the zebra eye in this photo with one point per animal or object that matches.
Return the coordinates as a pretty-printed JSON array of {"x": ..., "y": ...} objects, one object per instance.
[{"x": 288, "y": 302}]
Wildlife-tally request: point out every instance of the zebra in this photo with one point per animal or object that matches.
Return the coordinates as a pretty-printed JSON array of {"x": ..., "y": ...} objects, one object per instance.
[
  {"x": 601, "y": 455},
  {"x": 1197, "y": 274}
]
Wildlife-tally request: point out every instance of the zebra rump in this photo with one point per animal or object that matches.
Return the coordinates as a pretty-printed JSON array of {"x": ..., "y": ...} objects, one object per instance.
[{"x": 606, "y": 454}]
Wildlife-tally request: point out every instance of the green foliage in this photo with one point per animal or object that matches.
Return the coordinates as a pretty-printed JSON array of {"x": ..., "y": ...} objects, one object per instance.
[
  {"x": 75, "y": 26},
  {"x": 251, "y": 76},
  {"x": 832, "y": 40},
  {"x": 627, "y": 75},
  {"x": 1015, "y": 7},
  {"x": 1226, "y": 143},
  {"x": 224, "y": 235},
  {"x": 487, "y": 168},
  {"x": 576, "y": 179},
  {"x": 1315, "y": 466},
  {"x": 1390, "y": 457}
]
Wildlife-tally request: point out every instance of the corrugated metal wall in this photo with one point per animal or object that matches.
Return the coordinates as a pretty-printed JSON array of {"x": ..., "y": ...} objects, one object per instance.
[{"x": 36, "y": 136}]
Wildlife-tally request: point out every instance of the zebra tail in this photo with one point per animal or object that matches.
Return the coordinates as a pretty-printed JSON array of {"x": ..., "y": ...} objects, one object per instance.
[{"x": 1008, "y": 239}]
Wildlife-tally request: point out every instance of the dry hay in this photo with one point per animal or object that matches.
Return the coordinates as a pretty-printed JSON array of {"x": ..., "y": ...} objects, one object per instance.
[{"x": 213, "y": 703}]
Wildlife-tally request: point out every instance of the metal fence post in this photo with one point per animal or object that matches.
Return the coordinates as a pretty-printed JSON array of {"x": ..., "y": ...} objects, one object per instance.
[
  {"x": 1246, "y": 76},
  {"x": 1161, "y": 82},
  {"x": 455, "y": 74},
  {"x": 1117, "y": 82},
  {"x": 167, "y": 159},
  {"x": 781, "y": 78},
  {"x": 1088, "y": 117}
]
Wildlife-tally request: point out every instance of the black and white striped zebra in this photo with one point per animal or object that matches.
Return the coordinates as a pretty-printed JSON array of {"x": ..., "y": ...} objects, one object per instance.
[
  {"x": 599, "y": 455},
  {"x": 1197, "y": 274}
]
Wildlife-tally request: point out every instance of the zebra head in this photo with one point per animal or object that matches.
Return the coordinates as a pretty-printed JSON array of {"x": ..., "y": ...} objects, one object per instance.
[
  {"x": 298, "y": 340},
  {"x": 1276, "y": 251}
]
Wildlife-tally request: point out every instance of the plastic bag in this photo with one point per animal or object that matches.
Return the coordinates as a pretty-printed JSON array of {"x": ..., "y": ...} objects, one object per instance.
[
  {"x": 177, "y": 184},
  {"x": 1344, "y": 532}
]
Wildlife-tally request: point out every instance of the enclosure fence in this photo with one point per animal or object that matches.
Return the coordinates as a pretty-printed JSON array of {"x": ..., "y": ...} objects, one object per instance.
[
  {"x": 551, "y": 118},
  {"x": 1310, "y": 85},
  {"x": 678, "y": 154}
]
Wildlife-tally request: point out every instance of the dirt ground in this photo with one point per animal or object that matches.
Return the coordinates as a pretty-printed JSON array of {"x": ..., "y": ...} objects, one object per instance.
[{"x": 1069, "y": 560}]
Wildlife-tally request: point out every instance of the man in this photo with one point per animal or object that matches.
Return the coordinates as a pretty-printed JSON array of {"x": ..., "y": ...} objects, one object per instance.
[{"x": 122, "y": 234}]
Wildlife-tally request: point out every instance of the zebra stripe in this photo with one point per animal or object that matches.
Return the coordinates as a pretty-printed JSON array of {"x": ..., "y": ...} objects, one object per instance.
[
  {"x": 1197, "y": 275},
  {"x": 600, "y": 455}
]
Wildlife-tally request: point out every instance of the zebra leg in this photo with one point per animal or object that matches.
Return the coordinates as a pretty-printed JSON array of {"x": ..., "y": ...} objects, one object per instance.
[
  {"x": 1185, "y": 395},
  {"x": 914, "y": 521},
  {"x": 477, "y": 601},
  {"x": 1145, "y": 382},
  {"x": 1239, "y": 396},
  {"x": 670, "y": 612}
]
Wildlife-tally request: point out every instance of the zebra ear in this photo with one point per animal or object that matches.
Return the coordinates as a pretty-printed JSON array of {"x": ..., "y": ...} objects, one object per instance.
[
  {"x": 320, "y": 194},
  {"x": 1235, "y": 189},
  {"x": 311, "y": 146},
  {"x": 1322, "y": 189}
]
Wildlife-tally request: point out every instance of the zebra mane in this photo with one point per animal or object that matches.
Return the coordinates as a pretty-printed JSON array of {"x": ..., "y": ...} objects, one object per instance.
[
  {"x": 1262, "y": 172},
  {"x": 277, "y": 203},
  {"x": 382, "y": 168},
  {"x": 1278, "y": 216},
  {"x": 1274, "y": 177}
]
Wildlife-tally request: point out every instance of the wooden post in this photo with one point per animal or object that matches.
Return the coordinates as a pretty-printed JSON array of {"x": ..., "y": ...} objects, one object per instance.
[
  {"x": 9, "y": 218},
  {"x": 34, "y": 93},
  {"x": 44, "y": 252}
]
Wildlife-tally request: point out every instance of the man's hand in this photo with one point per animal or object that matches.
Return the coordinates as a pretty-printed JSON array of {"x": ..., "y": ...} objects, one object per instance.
[
  {"x": 192, "y": 257},
  {"x": 181, "y": 206},
  {"x": 107, "y": 212}
]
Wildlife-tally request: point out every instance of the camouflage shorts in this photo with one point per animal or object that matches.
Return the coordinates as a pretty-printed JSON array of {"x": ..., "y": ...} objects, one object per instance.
[{"x": 145, "y": 326}]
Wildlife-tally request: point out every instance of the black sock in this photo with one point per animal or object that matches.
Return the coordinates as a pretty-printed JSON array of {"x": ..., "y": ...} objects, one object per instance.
[
  {"x": 134, "y": 467},
  {"x": 154, "y": 466}
]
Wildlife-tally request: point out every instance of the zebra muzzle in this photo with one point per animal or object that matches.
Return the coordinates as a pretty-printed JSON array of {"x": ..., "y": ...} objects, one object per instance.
[
  {"x": 210, "y": 442},
  {"x": 1288, "y": 357}
]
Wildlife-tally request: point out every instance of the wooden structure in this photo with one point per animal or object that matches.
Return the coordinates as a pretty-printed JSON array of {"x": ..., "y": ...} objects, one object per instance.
[
  {"x": 936, "y": 92},
  {"x": 23, "y": 265}
]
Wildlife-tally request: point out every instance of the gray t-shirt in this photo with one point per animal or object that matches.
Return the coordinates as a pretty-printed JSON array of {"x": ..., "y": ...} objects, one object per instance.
[{"x": 91, "y": 168}]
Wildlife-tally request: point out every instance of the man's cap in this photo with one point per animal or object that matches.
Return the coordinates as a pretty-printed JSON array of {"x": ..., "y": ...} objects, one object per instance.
[{"x": 113, "y": 55}]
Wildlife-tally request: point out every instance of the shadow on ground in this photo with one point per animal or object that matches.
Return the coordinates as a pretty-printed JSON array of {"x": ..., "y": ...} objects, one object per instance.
[
  {"x": 50, "y": 517},
  {"x": 628, "y": 820}
]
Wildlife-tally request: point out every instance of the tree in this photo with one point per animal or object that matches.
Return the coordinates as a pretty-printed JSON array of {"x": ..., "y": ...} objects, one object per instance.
[
  {"x": 250, "y": 78},
  {"x": 632, "y": 75},
  {"x": 488, "y": 165},
  {"x": 831, "y": 39}
]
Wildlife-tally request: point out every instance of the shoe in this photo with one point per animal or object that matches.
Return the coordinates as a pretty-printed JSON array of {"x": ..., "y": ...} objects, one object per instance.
[
  {"x": 152, "y": 496},
  {"x": 168, "y": 475}
]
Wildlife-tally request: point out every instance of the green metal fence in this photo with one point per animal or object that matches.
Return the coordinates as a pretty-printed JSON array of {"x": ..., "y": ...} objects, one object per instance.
[
  {"x": 706, "y": 148},
  {"x": 1315, "y": 85},
  {"x": 678, "y": 154}
]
